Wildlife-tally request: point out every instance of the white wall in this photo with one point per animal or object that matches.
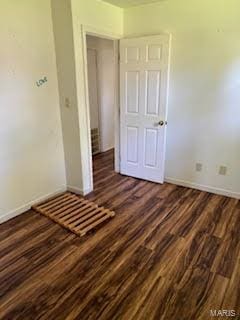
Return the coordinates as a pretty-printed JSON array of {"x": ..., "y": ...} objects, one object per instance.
[
  {"x": 68, "y": 18},
  {"x": 204, "y": 112},
  {"x": 31, "y": 148},
  {"x": 101, "y": 18},
  {"x": 63, "y": 33},
  {"x": 105, "y": 64},
  {"x": 93, "y": 87}
]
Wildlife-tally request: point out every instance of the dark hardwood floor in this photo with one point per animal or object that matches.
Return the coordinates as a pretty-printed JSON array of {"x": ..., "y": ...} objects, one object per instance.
[{"x": 170, "y": 253}]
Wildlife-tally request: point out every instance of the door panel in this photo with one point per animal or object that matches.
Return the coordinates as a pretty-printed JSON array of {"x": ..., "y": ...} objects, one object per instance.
[
  {"x": 132, "y": 91},
  {"x": 153, "y": 92},
  {"x": 132, "y": 145},
  {"x": 144, "y": 70},
  {"x": 154, "y": 52},
  {"x": 150, "y": 145},
  {"x": 132, "y": 54}
]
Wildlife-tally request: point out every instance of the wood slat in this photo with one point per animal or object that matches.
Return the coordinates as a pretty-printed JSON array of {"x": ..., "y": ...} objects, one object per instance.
[
  {"x": 86, "y": 218},
  {"x": 53, "y": 201},
  {"x": 63, "y": 207},
  {"x": 74, "y": 213},
  {"x": 59, "y": 205},
  {"x": 89, "y": 221},
  {"x": 93, "y": 225},
  {"x": 79, "y": 214},
  {"x": 71, "y": 211}
]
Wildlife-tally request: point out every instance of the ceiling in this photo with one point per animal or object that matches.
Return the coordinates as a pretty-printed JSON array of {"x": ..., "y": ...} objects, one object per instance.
[{"x": 130, "y": 3}]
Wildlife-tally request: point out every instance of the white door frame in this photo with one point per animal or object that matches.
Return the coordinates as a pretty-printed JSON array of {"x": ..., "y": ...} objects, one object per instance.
[{"x": 88, "y": 30}]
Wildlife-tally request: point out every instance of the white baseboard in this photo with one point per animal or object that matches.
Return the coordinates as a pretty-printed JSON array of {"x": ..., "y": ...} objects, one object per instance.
[
  {"x": 183, "y": 183},
  {"x": 78, "y": 190},
  {"x": 75, "y": 190},
  {"x": 26, "y": 207},
  {"x": 201, "y": 187}
]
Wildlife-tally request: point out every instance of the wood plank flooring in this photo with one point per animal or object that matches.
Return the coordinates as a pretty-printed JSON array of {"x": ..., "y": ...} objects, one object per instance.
[{"x": 170, "y": 253}]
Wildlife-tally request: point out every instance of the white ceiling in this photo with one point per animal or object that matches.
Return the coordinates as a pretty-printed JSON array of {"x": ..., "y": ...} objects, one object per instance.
[{"x": 130, "y": 3}]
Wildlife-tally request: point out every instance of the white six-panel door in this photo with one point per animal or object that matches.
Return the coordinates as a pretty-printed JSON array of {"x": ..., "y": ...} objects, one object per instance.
[{"x": 144, "y": 70}]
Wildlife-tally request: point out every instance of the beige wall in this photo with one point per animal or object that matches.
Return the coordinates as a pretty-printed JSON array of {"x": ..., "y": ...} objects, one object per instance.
[
  {"x": 31, "y": 148},
  {"x": 204, "y": 113},
  {"x": 98, "y": 14}
]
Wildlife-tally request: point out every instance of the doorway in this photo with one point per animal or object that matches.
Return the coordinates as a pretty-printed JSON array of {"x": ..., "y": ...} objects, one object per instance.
[
  {"x": 101, "y": 93},
  {"x": 140, "y": 91}
]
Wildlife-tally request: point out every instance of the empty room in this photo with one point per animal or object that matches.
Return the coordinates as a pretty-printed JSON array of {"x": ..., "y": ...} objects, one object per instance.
[{"x": 120, "y": 159}]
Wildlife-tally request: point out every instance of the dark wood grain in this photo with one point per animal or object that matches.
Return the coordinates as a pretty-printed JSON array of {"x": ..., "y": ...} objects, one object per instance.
[{"x": 170, "y": 253}]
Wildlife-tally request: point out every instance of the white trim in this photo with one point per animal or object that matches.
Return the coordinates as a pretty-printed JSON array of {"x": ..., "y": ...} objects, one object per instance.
[
  {"x": 101, "y": 33},
  {"x": 188, "y": 184},
  {"x": 116, "y": 108},
  {"x": 87, "y": 110},
  {"x": 78, "y": 190},
  {"x": 26, "y": 207},
  {"x": 75, "y": 190}
]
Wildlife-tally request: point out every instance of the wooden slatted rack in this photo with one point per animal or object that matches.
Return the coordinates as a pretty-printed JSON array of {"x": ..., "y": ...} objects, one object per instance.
[{"x": 73, "y": 213}]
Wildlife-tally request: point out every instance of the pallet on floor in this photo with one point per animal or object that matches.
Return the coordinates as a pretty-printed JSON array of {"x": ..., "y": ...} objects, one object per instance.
[{"x": 74, "y": 213}]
